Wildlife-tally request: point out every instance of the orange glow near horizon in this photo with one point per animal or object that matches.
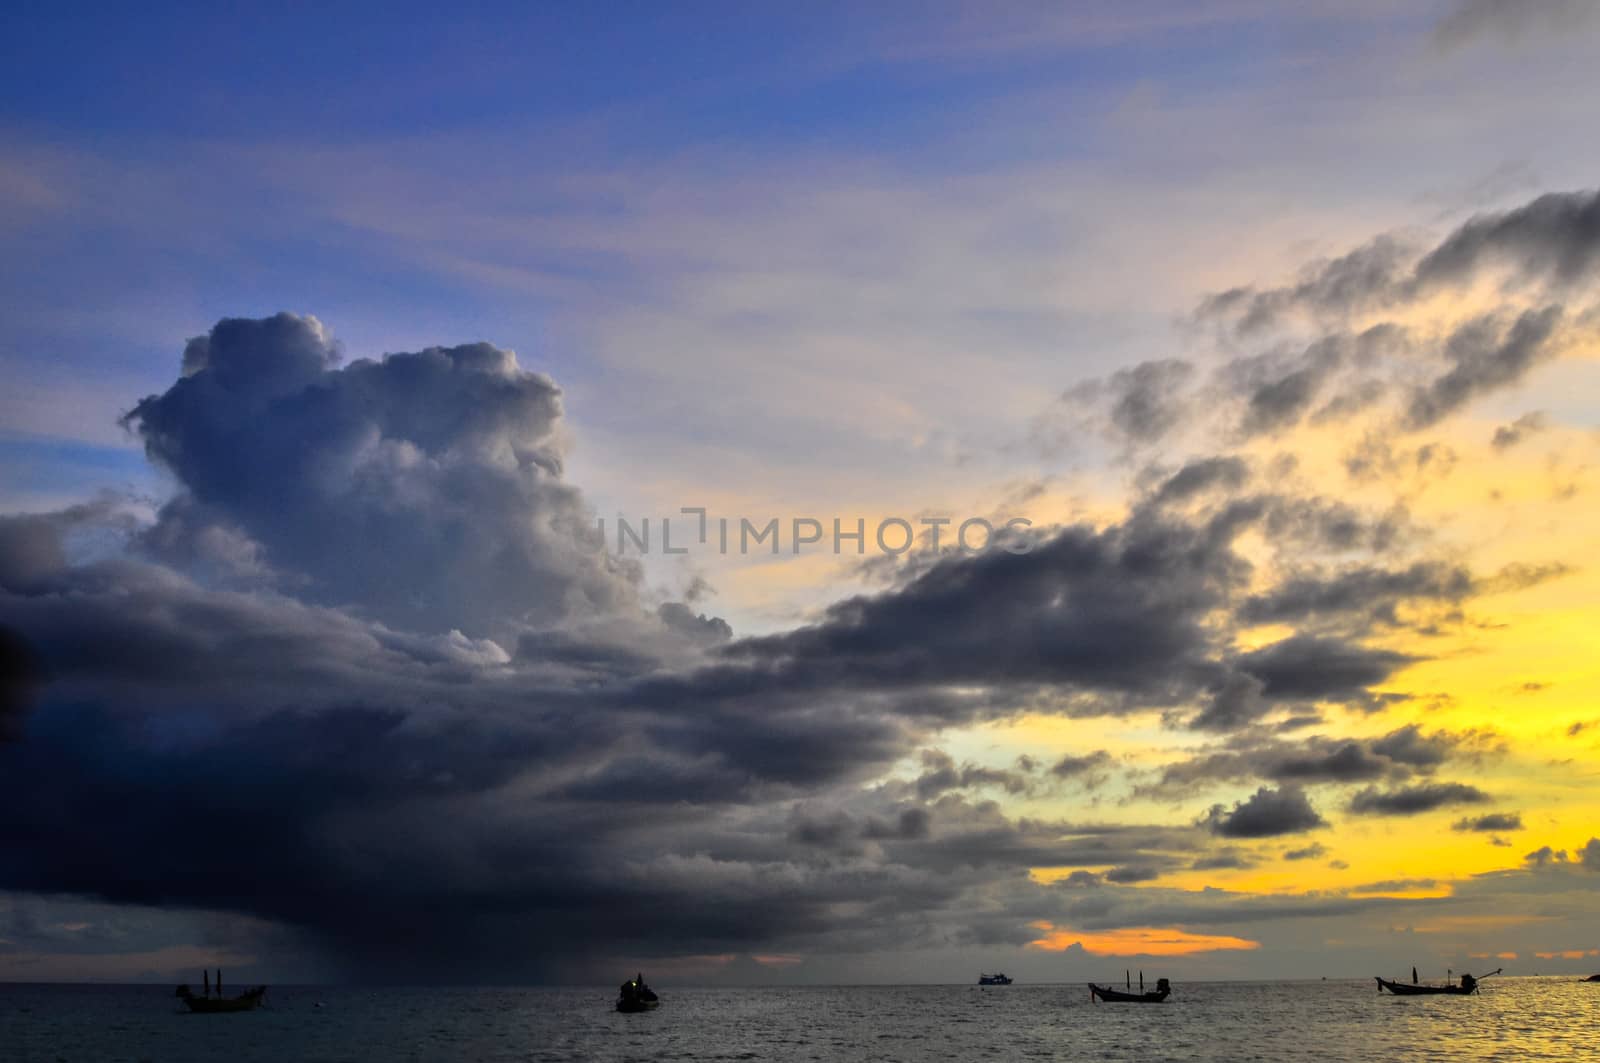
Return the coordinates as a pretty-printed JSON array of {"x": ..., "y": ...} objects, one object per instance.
[
  {"x": 782, "y": 960},
  {"x": 1135, "y": 941}
]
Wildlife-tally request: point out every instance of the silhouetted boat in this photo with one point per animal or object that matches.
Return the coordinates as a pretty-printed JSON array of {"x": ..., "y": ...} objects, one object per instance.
[
  {"x": 636, "y": 996},
  {"x": 1117, "y": 996},
  {"x": 993, "y": 979},
  {"x": 1468, "y": 986},
  {"x": 1593, "y": 978},
  {"x": 247, "y": 1001}
]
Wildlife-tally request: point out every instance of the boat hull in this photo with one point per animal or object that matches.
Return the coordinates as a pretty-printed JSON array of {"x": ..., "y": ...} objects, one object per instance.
[
  {"x": 222, "y": 1005},
  {"x": 1116, "y": 996},
  {"x": 638, "y": 1005},
  {"x": 1406, "y": 989}
]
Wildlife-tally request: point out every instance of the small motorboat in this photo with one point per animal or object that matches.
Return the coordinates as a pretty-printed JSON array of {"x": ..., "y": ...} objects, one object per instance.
[
  {"x": 993, "y": 979},
  {"x": 1467, "y": 987},
  {"x": 1162, "y": 990},
  {"x": 636, "y": 996}
]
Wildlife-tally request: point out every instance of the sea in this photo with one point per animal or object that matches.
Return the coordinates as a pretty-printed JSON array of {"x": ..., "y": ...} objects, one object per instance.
[{"x": 1511, "y": 1019}]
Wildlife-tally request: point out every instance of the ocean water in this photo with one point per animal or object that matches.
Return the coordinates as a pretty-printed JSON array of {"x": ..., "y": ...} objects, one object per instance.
[{"x": 1512, "y": 1019}]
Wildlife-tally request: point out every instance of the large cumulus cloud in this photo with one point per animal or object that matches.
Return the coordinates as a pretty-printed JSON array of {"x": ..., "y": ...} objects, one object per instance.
[{"x": 424, "y": 489}]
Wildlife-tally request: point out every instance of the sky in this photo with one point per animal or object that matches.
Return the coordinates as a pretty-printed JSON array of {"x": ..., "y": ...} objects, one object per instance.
[{"x": 1168, "y": 432}]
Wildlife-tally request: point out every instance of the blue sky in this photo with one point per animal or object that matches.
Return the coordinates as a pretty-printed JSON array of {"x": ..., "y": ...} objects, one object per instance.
[{"x": 698, "y": 217}]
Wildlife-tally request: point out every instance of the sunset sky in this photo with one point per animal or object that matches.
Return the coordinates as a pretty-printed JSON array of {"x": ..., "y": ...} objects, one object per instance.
[{"x": 337, "y": 345}]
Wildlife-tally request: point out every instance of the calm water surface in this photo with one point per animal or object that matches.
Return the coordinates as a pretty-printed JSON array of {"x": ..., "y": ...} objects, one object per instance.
[{"x": 1512, "y": 1019}]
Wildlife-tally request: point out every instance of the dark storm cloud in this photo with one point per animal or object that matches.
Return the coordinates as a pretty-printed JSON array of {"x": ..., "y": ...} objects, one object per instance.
[
  {"x": 1494, "y": 821},
  {"x": 1112, "y": 620},
  {"x": 424, "y": 489},
  {"x": 1265, "y": 814},
  {"x": 399, "y": 772},
  {"x": 305, "y": 640},
  {"x": 390, "y": 771},
  {"x": 1410, "y": 800},
  {"x": 1118, "y": 611}
]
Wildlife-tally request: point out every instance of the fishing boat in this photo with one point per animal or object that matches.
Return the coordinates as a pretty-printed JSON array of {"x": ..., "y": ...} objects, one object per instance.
[
  {"x": 1468, "y": 986},
  {"x": 993, "y": 979},
  {"x": 636, "y": 996},
  {"x": 246, "y": 1001},
  {"x": 211, "y": 1005},
  {"x": 1117, "y": 996}
]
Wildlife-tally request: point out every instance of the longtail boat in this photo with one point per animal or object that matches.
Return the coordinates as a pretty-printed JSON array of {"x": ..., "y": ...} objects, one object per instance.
[
  {"x": 1468, "y": 986},
  {"x": 247, "y": 1001},
  {"x": 1117, "y": 996}
]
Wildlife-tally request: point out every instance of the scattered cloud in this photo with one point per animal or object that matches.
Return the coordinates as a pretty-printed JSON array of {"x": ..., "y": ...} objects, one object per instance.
[
  {"x": 1265, "y": 814},
  {"x": 1494, "y": 822},
  {"x": 1411, "y": 800}
]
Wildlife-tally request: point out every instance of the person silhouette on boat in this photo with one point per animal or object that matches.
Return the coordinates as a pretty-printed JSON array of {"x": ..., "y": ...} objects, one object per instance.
[{"x": 1468, "y": 983}]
